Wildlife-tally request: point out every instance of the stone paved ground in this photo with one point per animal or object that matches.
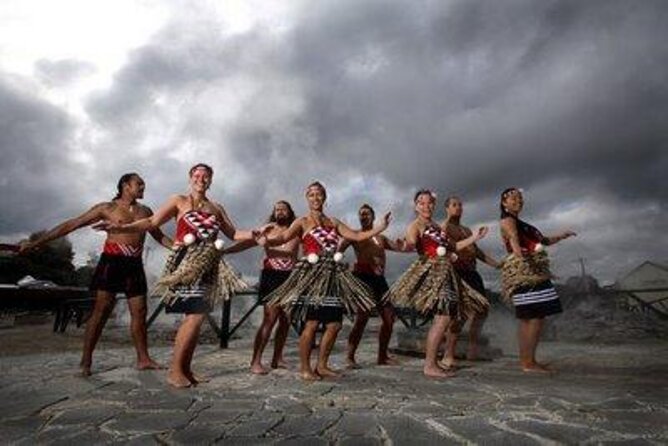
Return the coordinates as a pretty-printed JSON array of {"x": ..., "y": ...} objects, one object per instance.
[{"x": 603, "y": 395}]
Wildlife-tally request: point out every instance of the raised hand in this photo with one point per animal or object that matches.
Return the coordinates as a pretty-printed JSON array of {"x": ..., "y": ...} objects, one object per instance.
[
  {"x": 387, "y": 218},
  {"x": 482, "y": 232}
]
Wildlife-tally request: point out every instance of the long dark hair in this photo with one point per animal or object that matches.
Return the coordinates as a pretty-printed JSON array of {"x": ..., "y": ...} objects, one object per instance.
[
  {"x": 504, "y": 194},
  {"x": 291, "y": 213},
  {"x": 125, "y": 178}
]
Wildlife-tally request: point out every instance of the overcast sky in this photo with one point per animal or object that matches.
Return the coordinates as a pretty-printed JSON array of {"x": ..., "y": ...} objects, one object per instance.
[{"x": 566, "y": 99}]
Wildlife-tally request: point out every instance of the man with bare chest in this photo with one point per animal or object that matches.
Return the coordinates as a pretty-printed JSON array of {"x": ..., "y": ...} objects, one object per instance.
[
  {"x": 120, "y": 268},
  {"x": 276, "y": 268},
  {"x": 370, "y": 268}
]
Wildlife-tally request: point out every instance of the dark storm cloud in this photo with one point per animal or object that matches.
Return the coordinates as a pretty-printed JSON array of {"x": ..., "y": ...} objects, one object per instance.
[
  {"x": 564, "y": 98},
  {"x": 36, "y": 173}
]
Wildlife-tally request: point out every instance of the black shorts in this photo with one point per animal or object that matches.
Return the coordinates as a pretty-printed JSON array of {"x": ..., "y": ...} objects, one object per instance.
[
  {"x": 378, "y": 286},
  {"x": 270, "y": 279},
  {"x": 473, "y": 279},
  {"x": 325, "y": 314},
  {"x": 120, "y": 274}
]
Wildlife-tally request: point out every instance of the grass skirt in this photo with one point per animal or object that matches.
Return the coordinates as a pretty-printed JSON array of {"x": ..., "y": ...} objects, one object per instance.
[
  {"x": 521, "y": 272},
  {"x": 199, "y": 265},
  {"x": 431, "y": 285},
  {"x": 313, "y": 285}
]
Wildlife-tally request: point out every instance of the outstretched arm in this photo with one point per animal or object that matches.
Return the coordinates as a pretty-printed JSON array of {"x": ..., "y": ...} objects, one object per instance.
[
  {"x": 398, "y": 245},
  {"x": 551, "y": 240},
  {"x": 295, "y": 230},
  {"x": 478, "y": 235},
  {"x": 486, "y": 258},
  {"x": 359, "y": 236},
  {"x": 228, "y": 228},
  {"x": 92, "y": 215},
  {"x": 160, "y": 236},
  {"x": 163, "y": 214}
]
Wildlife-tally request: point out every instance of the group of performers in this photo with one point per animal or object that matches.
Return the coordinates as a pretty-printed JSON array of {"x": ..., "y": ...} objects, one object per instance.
[{"x": 317, "y": 287}]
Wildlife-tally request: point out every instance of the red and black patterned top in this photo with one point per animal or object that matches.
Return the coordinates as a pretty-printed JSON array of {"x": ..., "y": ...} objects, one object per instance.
[
  {"x": 198, "y": 223},
  {"x": 431, "y": 239},
  {"x": 529, "y": 236},
  {"x": 319, "y": 239}
]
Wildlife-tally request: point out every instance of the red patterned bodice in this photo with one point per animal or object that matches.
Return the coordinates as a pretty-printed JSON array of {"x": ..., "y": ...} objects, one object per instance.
[
  {"x": 529, "y": 236},
  {"x": 198, "y": 223},
  {"x": 431, "y": 239},
  {"x": 319, "y": 239}
]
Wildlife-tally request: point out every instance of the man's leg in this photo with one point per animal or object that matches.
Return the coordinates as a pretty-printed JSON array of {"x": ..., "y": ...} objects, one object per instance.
[
  {"x": 384, "y": 336},
  {"x": 355, "y": 337},
  {"x": 104, "y": 304},
  {"x": 261, "y": 338},
  {"x": 474, "y": 335},
  {"x": 138, "y": 309},
  {"x": 280, "y": 337},
  {"x": 326, "y": 344}
]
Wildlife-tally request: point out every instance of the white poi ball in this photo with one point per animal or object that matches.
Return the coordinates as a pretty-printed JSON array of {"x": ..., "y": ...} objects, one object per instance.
[
  {"x": 312, "y": 258},
  {"x": 219, "y": 244},
  {"x": 338, "y": 257},
  {"x": 539, "y": 247},
  {"x": 188, "y": 239},
  {"x": 440, "y": 251}
]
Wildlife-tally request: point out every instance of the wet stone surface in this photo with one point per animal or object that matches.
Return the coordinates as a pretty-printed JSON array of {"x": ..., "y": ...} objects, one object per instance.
[{"x": 601, "y": 395}]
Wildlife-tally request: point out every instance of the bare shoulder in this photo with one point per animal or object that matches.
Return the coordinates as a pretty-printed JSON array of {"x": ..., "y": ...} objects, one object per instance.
[
  {"x": 507, "y": 224},
  {"x": 145, "y": 210},
  {"x": 104, "y": 208}
]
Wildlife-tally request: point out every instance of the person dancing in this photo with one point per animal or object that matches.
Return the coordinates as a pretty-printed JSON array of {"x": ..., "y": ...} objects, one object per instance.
[
  {"x": 195, "y": 276},
  {"x": 276, "y": 268},
  {"x": 430, "y": 284},
  {"x": 525, "y": 276},
  {"x": 320, "y": 288},
  {"x": 465, "y": 267},
  {"x": 120, "y": 268},
  {"x": 370, "y": 269}
]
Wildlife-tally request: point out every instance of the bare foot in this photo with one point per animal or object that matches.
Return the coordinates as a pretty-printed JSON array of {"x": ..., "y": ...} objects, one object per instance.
[
  {"x": 535, "y": 368},
  {"x": 389, "y": 360},
  {"x": 258, "y": 369},
  {"x": 308, "y": 375},
  {"x": 196, "y": 379},
  {"x": 352, "y": 364},
  {"x": 178, "y": 381},
  {"x": 436, "y": 372},
  {"x": 326, "y": 372},
  {"x": 85, "y": 370},
  {"x": 447, "y": 364},
  {"x": 280, "y": 364},
  {"x": 149, "y": 364}
]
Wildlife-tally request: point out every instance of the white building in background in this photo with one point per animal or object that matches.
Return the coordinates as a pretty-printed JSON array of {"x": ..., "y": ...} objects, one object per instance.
[{"x": 646, "y": 276}]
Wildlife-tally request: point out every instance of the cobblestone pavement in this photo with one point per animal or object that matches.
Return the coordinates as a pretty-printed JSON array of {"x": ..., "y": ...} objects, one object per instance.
[{"x": 602, "y": 395}]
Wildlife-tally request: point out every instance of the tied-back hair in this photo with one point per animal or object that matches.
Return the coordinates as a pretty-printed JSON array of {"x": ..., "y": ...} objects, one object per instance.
[
  {"x": 424, "y": 192},
  {"x": 447, "y": 204},
  {"x": 368, "y": 206},
  {"x": 504, "y": 194},
  {"x": 125, "y": 178},
  {"x": 204, "y": 166},
  {"x": 319, "y": 185},
  {"x": 291, "y": 213}
]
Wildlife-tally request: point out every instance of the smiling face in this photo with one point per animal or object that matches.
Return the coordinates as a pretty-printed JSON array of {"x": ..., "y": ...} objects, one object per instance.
[
  {"x": 513, "y": 201},
  {"x": 424, "y": 205},
  {"x": 316, "y": 196},
  {"x": 200, "y": 180}
]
